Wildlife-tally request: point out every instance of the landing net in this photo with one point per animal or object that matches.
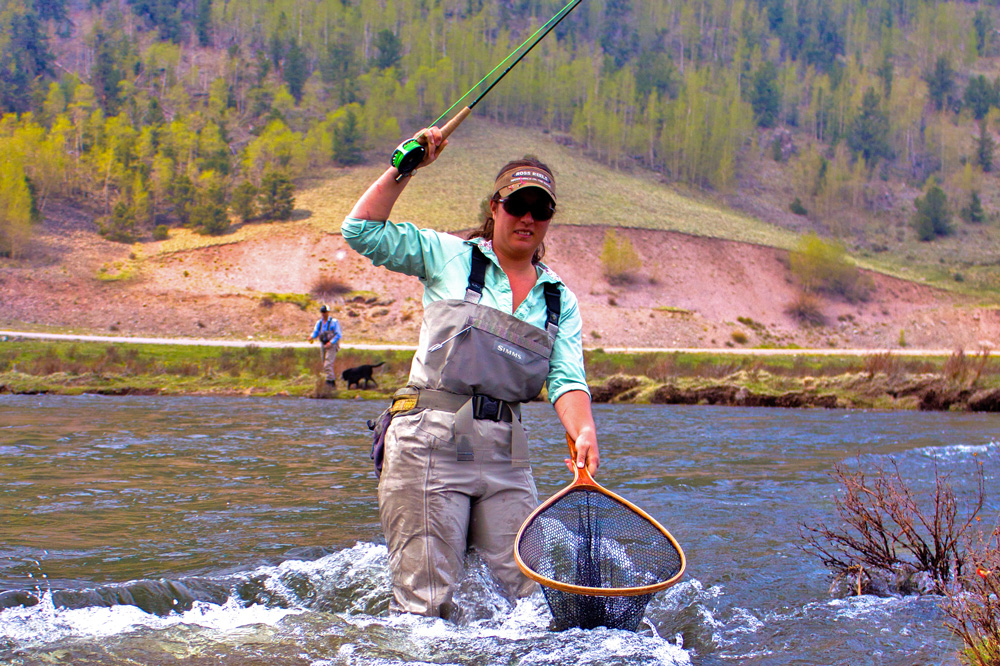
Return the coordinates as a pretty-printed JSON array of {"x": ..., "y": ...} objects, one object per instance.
[{"x": 598, "y": 558}]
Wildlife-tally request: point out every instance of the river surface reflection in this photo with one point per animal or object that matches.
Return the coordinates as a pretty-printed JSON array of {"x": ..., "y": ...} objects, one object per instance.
[{"x": 154, "y": 530}]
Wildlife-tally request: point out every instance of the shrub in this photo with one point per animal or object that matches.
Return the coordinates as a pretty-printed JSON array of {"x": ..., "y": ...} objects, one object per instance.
[
  {"x": 971, "y": 605},
  {"x": 806, "y": 310},
  {"x": 822, "y": 266},
  {"x": 740, "y": 337},
  {"x": 886, "y": 540},
  {"x": 973, "y": 213},
  {"x": 120, "y": 225},
  {"x": 326, "y": 286},
  {"x": 161, "y": 232},
  {"x": 797, "y": 207},
  {"x": 619, "y": 258}
]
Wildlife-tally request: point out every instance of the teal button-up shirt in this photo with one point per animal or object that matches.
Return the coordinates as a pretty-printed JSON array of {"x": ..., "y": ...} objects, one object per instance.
[{"x": 442, "y": 263}]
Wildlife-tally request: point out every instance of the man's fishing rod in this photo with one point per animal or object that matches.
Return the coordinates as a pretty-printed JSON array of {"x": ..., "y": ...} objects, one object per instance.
[{"x": 409, "y": 154}]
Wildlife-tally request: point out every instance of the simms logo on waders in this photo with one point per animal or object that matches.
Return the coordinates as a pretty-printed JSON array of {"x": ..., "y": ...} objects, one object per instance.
[{"x": 509, "y": 352}]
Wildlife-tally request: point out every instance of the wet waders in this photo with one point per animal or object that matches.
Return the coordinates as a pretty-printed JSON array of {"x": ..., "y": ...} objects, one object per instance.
[{"x": 456, "y": 473}]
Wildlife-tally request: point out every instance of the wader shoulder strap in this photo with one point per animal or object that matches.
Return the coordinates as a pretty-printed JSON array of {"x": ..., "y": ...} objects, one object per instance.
[
  {"x": 477, "y": 276},
  {"x": 553, "y": 307}
]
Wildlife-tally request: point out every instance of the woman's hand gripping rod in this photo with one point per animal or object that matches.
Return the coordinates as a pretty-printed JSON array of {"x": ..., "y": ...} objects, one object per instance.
[{"x": 410, "y": 154}]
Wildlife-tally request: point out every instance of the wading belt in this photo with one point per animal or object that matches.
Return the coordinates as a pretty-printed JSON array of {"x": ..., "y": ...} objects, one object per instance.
[{"x": 468, "y": 408}]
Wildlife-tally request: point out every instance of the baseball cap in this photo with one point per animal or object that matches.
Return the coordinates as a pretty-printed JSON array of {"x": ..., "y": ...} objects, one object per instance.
[
  {"x": 518, "y": 177},
  {"x": 323, "y": 308}
]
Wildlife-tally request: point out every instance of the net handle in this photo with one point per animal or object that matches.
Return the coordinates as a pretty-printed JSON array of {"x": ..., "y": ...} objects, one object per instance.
[{"x": 581, "y": 475}]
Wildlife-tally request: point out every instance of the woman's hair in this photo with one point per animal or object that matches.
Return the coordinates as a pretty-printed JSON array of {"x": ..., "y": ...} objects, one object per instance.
[{"x": 486, "y": 230}]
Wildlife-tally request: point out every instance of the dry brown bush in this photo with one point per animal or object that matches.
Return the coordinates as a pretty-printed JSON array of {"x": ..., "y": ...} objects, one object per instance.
[
  {"x": 972, "y": 606},
  {"x": 887, "y": 542},
  {"x": 806, "y": 310}
]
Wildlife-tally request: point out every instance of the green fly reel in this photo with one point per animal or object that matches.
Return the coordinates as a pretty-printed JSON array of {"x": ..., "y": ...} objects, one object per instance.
[{"x": 408, "y": 156}]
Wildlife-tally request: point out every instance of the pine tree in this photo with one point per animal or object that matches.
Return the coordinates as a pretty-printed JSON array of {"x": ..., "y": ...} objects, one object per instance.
[
  {"x": 277, "y": 197},
  {"x": 244, "y": 201},
  {"x": 869, "y": 132},
  {"x": 765, "y": 96},
  {"x": 347, "y": 141},
  {"x": 932, "y": 218},
  {"x": 984, "y": 148},
  {"x": 973, "y": 213},
  {"x": 295, "y": 71},
  {"x": 940, "y": 82},
  {"x": 390, "y": 50}
]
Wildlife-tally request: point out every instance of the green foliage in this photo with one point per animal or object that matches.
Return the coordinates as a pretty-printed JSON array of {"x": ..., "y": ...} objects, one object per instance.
[
  {"x": 619, "y": 258},
  {"x": 932, "y": 218},
  {"x": 973, "y": 212},
  {"x": 244, "y": 201},
  {"x": 822, "y": 266},
  {"x": 797, "y": 207},
  {"x": 347, "y": 140},
  {"x": 276, "y": 197},
  {"x": 120, "y": 225},
  {"x": 390, "y": 50},
  {"x": 295, "y": 71},
  {"x": 161, "y": 232},
  {"x": 869, "y": 133},
  {"x": 979, "y": 96},
  {"x": 765, "y": 95},
  {"x": 16, "y": 208},
  {"x": 209, "y": 215},
  {"x": 985, "y": 145},
  {"x": 940, "y": 82},
  {"x": 24, "y": 54}
]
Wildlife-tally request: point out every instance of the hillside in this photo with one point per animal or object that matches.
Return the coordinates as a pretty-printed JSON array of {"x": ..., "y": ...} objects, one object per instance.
[{"x": 692, "y": 290}]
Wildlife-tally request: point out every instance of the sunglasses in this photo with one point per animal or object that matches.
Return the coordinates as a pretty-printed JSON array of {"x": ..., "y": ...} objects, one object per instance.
[{"x": 541, "y": 209}]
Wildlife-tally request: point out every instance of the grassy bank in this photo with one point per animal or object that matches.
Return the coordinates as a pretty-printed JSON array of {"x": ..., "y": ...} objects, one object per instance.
[{"x": 877, "y": 381}]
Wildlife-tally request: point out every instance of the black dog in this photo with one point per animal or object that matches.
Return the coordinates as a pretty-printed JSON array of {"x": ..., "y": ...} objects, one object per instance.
[{"x": 359, "y": 374}]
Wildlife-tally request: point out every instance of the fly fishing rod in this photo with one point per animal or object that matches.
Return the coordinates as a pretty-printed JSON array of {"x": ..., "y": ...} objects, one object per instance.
[{"x": 409, "y": 154}]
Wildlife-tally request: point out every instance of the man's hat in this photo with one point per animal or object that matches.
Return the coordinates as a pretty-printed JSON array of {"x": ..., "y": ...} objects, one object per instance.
[
  {"x": 515, "y": 178},
  {"x": 323, "y": 308}
]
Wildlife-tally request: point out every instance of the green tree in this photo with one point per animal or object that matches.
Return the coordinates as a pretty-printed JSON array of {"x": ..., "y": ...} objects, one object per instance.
[
  {"x": 244, "y": 201},
  {"x": 276, "y": 197},
  {"x": 940, "y": 82},
  {"x": 765, "y": 95},
  {"x": 979, "y": 96},
  {"x": 983, "y": 26},
  {"x": 16, "y": 208},
  {"x": 869, "y": 131},
  {"x": 209, "y": 216},
  {"x": 984, "y": 148},
  {"x": 203, "y": 22},
  {"x": 24, "y": 54},
  {"x": 347, "y": 140},
  {"x": 295, "y": 71},
  {"x": 182, "y": 194},
  {"x": 390, "y": 50},
  {"x": 932, "y": 218},
  {"x": 973, "y": 212},
  {"x": 120, "y": 225}
]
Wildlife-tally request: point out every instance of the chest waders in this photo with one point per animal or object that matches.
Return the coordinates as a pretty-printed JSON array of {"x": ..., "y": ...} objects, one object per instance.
[{"x": 456, "y": 471}]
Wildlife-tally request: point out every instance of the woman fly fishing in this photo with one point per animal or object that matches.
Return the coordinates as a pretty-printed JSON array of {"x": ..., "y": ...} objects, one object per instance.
[{"x": 498, "y": 326}]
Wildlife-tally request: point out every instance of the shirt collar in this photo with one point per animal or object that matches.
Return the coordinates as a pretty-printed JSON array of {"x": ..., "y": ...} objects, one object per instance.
[{"x": 546, "y": 275}]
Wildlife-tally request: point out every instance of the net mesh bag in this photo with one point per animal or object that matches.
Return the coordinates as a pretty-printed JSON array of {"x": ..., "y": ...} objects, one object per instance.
[{"x": 598, "y": 558}]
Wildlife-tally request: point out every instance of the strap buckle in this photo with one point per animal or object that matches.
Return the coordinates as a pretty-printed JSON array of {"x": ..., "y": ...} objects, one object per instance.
[{"x": 486, "y": 408}]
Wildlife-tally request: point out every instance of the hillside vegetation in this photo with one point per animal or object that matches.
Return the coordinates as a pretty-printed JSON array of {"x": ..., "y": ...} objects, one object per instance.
[{"x": 871, "y": 122}]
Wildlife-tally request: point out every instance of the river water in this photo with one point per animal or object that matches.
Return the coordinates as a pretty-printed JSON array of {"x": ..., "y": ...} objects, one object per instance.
[{"x": 154, "y": 531}]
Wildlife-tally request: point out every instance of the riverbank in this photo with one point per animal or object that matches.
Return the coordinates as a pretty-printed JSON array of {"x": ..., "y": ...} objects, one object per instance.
[{"x": 879, "y": 380}]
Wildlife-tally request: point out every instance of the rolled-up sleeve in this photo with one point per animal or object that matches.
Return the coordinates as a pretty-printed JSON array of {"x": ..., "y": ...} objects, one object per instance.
[
  {"x": 566, "y": 370},
  {"x": 400, "y": 247}
]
